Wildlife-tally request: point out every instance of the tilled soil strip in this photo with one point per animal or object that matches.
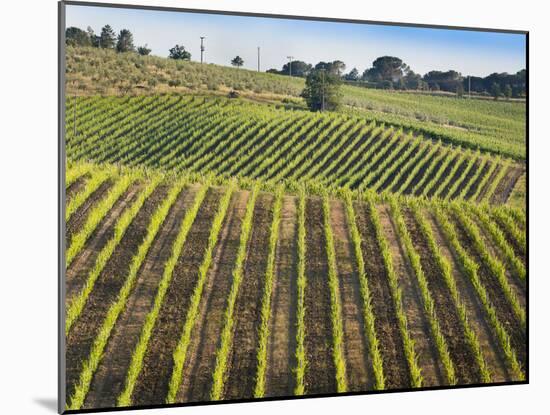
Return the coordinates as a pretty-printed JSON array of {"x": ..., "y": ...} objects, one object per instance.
[
  {"x": 152, "y": 383},
  {"x": 242, "y": 362},
  {"x": 281, "y": 357},
  {"x": 496, "y": 296},
  {"x": 455, "y": 177},
  {"x": 466, "y": 367},
  {"x": 477, "y": 319},
  {"x": 80, "y": 267},
  {"x": 75, "y": 187},
  {"x": 201, "y": 356},
  {"x": 433, "y": 373},
  {"x": 489, "y": 182},
  {"x": 359, "y": 371},
  {"x": 108, "y": 381},
  {"x": 467, "y": 179},
  {"x": 443, "y": 176},
  {"x": 320, "y": 376},
  {"x": 480, "y": 174},
  {"x": 506, "y": 185},
  {"x": 78, "y": 218},
  {"x": 518, "y": 249},
  {"x": 106, "y": 289},
  {"x": 420, "y": 174},
  {"x": 394, "y": 361}
]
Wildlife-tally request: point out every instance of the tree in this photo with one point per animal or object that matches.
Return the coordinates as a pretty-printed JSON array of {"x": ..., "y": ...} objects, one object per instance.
[
  {"x": 77, "y": 37},
  {"x": 322, "y": 91},
  {"x": 508, "y": 91},
  {"x": 125, "y": 41},
  {"x": 447, "y": 81},
  {"x": 179, "y": 52},
  {"x": 386, "y": 68},
  {"x": 495, "y": 91},
  {"x": 143, "y": 50},
  {"x": 237, "y": 61},
  {"x": 299, "y": 68},
  {"x": 353, "y": 75},
  {"x": 94, "y": 40},
  {"x": 334, "y": 67},
  {"x": 107, "y": 38}
]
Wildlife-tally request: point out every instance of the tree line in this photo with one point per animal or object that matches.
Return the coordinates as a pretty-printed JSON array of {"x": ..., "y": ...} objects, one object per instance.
[{"x": 390, "y": 72}]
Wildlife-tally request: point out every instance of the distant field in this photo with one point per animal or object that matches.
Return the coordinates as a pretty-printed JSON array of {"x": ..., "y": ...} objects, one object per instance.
[
  {"x": 182, "y": 290},
  {"x": 234, "y": 138},
  {"x": 498, "y": 127}
]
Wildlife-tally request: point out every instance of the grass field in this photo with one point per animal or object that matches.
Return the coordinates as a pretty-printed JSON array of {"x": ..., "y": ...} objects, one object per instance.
[{"x": 221, "y": 249}]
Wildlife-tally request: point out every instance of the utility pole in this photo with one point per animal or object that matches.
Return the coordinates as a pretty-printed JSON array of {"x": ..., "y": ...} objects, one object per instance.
[
  {"x": 290, "y": 65},
  {"x": 323, "y": 90},
  {"x": 469, "y": 87},
  {"x": 202, "y": 47},
  {"x": 258, "y": 59}
]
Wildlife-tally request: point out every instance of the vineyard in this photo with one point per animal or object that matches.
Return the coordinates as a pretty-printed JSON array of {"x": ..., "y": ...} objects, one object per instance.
[
  {"x": 186, "y": 287},
  {"x": 273, "y": 144}
]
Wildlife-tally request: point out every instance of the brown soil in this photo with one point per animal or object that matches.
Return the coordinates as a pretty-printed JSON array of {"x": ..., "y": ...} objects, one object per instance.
[
  {"x": 445, "y": 174},
  {"x": 489, "y": 182},
  {"x": 455, "y": 177},
  {"x": 496, "y": 296},
  {"x": 320, "y": 376},
  {"x": 466, "y": 368},
  {"x": 518, "y": 286},
  {"x": 506, "y": 185},
  {"x": 78, "y": 271},
  {"x": 152, "y": 383},
  {"x": 241, "y": 373},
  {"x": 432, "y": 174},
  {"x": 108, "y": 381},
  {"x": 281, "y": 347},
  {"x": 480, "y": 173},
  {"x": 78, "y": 218},
  {"x": 201, "y": 356},
  {"x": 421, "y": 172},
  {"x": 417, "y": 323},
  {"x": 466, "y": 180},
  {"x": 106, "y": 289},
  {"x": 518, "y": 249},
  {"x": 394, "y": 158},
  {"x": 477, "y": 318},
  {"x": 76, "y": 187},
  {"x": 356, "y": 350},
  {"x": 394, "y": 363},
  {"x": 404, "y": 175}
]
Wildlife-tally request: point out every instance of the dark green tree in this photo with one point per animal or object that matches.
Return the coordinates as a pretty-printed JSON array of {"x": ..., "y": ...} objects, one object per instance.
[
  {"x": 125, "y": 41},
  {"x": 237, "y": 61},
  {"x": 107, "y": 38},
  {"x": 299, "y": 68},
  {"x": 386, "y": 68},
  {"x": 77, "y": 37},
  {"x": 335, "y": 67},
  {"x": 353, "y": 75},
  {"x": 179, "y": 52},
  {"x": 496, "y": 91},
  {"x": 507, "y": 91},
  {"x": 322, "y": 91},
  {"x": 143, "y": 50}
]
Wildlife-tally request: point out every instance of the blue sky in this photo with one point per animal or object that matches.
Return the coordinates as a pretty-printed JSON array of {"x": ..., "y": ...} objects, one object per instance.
[{"x": 471, "y": 53}]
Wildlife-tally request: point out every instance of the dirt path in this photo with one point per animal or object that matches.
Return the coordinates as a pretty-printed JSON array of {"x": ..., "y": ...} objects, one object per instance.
[
  {"x": 417, "y": 324},
  {"x": 282, "y": 325},
  {"x": 201, "y": 356},
  {"x": 152, "y": 383},
  {"x": 507, "y": 184},
  {"x": 394, "y": 363},
  {"x": 496, "y": 296},
  {"x": 241, "y": 373},
  {"x": 106, "y": 289},
  {"x": 108, "y": 381},
  {"x": 466, "y": 368},
  {"x": 359, "y": 372},
  {"x": 78, "y": 218},
  {"x": 479, "y": 322},
  {"x": 78, "y": 271},
  {"x": 320, "y": 376}
]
